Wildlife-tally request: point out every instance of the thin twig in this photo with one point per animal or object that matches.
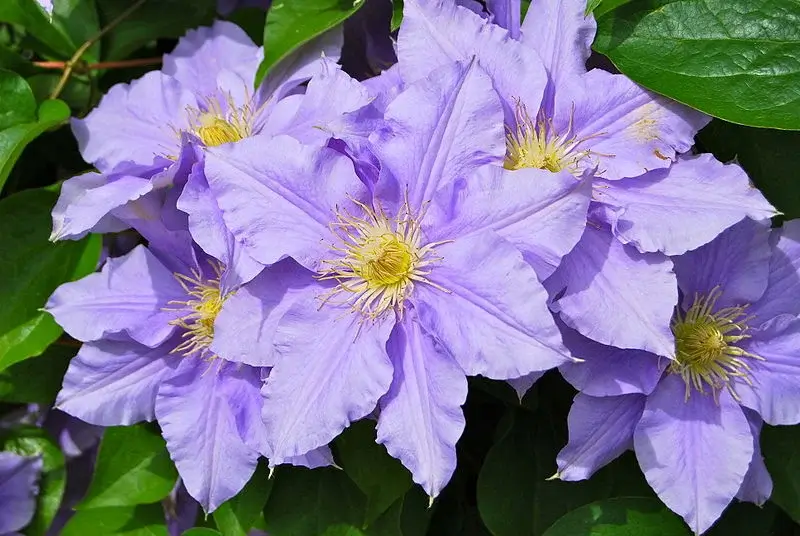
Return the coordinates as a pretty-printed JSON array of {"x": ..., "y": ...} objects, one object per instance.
[
  {"x": 70, "y": 65},
  {"x": 139, "y": 62}
]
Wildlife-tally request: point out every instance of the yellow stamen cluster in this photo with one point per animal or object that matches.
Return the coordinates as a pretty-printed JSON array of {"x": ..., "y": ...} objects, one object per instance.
[
  {"x": 536, "y": 144},
  {"x": 706, "y": 341},
  {"x": 221, "y": 123},
  {"x": 203, "y": 304},
  {"x": 378, "y": 261}
]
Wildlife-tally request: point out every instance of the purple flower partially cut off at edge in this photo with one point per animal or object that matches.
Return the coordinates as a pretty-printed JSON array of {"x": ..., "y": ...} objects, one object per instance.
[
  {"x": 18, "y": 490},
  {"x": 713, "y": 397},
  {"x": 146, "y": 333}
]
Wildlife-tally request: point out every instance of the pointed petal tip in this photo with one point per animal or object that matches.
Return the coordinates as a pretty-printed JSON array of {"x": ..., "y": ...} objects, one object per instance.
[
  {"x": 556, "y": 476},
  {"x": 430, "y": 501}
]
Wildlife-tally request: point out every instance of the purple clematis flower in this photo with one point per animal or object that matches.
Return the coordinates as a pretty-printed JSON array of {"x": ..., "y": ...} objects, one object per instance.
[
  {"x": 202, "y": 97},
  {"x": 559, "y": 117},
  {"x": 18, "y": 490},
  {"x": 736, "y": 331},
  {"x": 147, "y": 322},
  {"x": 407, "y": 285},
  {"x": 617, "y": 285}
]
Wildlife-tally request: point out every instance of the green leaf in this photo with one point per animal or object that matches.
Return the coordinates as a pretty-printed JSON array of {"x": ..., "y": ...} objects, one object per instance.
[
  {"x": 140, "y": 520},
  {"x": 200, "y": 531},
  {"x": 30, "y": 15},
  {"x": 33, "y": 441},
  {"x": 747, "y": 519},
  {"x": 306, "y": 502},
  {"x": 397, "y": 14},
  {"x": 238, "y": 515},
  {"x": 153, "y": 20},
  {"x": 14, "y": 139},
  {"x": 342, "y": 530},
  {"x": 779, "y": 447},
  {"x": 407, "y": 516},
  {"x": 37, "y": 380},
  {"x": 604, "y": 6},
  {"x": 17, "y": 104},
  {"x": 51, "y": 492},
  {"x": 382, "y": 478},
  {"x": 32, "y": 268},
  {"x": 591, "y": 5},
  {"x": 770, "y": 158},
  {"x": 389, "y": 523},
  {"x": 733, "y": 59},
  {"x": 290, "y": 24},
  {"x": 514, "y": 495},
  {"x": 622, "y": 516},
  {"x": 133, "y": 467}
]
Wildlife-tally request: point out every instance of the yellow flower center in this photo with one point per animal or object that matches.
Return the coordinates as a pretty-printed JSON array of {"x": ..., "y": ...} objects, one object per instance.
[
  {"x": 706, "y": 341},
  {"x": 378, "y": 261},
  {"x": 214, "y": 131},
  {"x": 536, "y": 144},
  {"x": 203, "y": 304},
  {"x": 220, "y": 122}
]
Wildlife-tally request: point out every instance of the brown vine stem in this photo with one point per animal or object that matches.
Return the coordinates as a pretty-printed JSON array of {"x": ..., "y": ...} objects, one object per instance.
[
  {"x": 70, "y": 65},
  {"x": 139, "y": 62}
]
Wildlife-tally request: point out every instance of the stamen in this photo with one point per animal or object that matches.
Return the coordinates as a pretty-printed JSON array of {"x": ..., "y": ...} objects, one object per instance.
[
  {"x": 379, "y": 261},
  {"x": 218, "y": 124},
  {"x": 203, "y": 304},
  {"x": 706, "y": 342},
  {"x": 536, "y": 144}
]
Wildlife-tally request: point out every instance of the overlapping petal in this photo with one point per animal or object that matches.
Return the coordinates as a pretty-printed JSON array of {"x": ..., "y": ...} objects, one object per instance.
[
  {"x": 600, "y": 429},
  {"x": 491, "y": 314},
  {"x": 421, "y": 418},
  {"x": 542, "y": 213},
  {"x": 278, "y": 187},
  {"x": 609, "y": 371},
  {"x": 629, "y": 130},
  {"x": 196, "y": 409},
  {"x": 681, "y": 208},
  {"x": 438, "y": 130},
  {"x": 506, "y": 15},
  {"x": 775, "y": 390},
  {"x": 114, "y": 383},
  {"x": 18, "y": 476},
  {"x": 244, "y": 329},
  {"x": 678, "y": 444},
  {"x": 332, "y": 369},
  {"x": 784, "y": 276},
  {"x": 615, "y": 295},
  {"x": 135, "y": 122},
  {"x": 437, "y": 32},
  {"x": 562, "y": 35},
  {"x": 208, "y": 230},
  {"x": 131, "y": 294},
  {"x": 757, "y": 485},
  {"x": 204, "y": 53}
]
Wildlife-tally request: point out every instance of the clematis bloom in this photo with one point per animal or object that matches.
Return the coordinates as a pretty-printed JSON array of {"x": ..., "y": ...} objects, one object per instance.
[
  {"x": 203, "y": 96},
  {"x": 147, "y": 323},
  {"x": 736, "y": 330},
  {"x": 407, "y": 285}
]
